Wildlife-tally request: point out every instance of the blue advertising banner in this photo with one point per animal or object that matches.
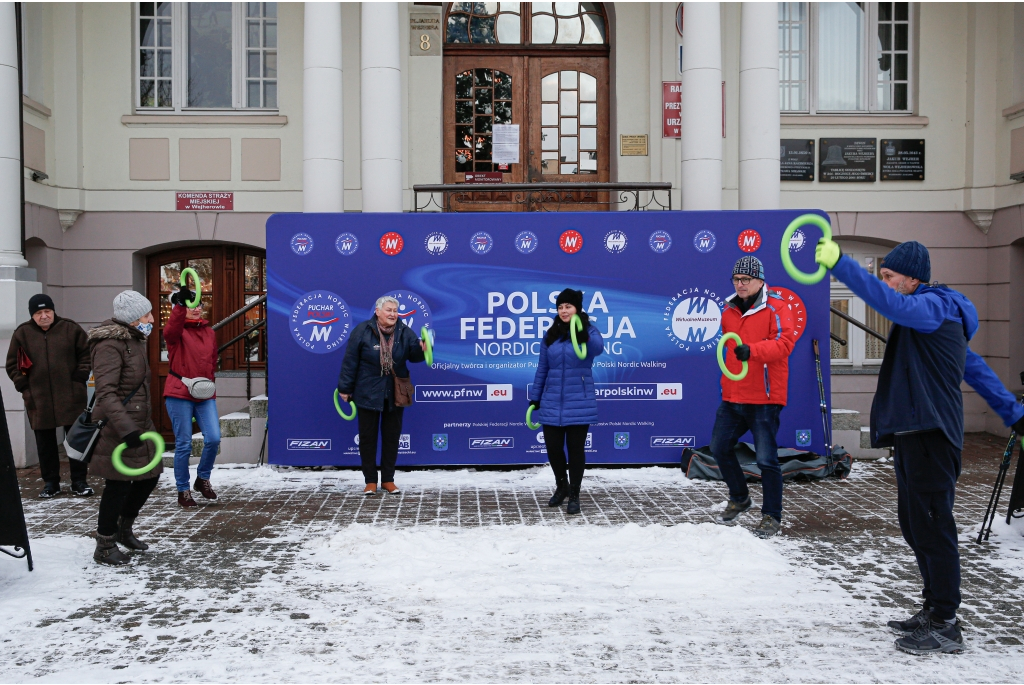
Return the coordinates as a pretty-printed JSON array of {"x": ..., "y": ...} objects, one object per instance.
[{"x": 485, "y": 285}]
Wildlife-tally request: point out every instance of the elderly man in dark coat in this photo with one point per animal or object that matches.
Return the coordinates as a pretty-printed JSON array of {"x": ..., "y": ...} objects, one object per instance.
[{"x": 49, "y": 363}]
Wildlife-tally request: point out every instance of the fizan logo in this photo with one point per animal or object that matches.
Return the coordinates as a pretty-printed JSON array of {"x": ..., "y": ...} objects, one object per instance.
[
  {"x": 694, "y": 319},
  {"x": 673, "y": 441},
  {"x": 320, "y": 321},
  {"x": 299, "y": 444},
  {"x": 491, "y": 443},
  {"x": 346, "y": 244}
]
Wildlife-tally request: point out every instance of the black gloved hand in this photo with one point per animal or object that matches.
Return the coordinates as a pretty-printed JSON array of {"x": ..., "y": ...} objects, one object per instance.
[
  {"x": 1019, "y": 427},
  {"x": 536, "y": 404},
  {"x": 742, "y": 352},
  {"x": 183, "y": 297},
  {"x": 132, "y": 440}
]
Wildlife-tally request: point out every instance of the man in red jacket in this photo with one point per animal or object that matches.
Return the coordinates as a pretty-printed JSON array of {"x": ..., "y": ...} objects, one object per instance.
[
  {"x": 765, "y": 325},
  {"x": 191, "y": 355}
]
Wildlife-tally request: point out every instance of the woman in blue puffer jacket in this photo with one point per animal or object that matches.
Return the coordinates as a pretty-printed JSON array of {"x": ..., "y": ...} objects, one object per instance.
[{"x": 563, "y": 396}]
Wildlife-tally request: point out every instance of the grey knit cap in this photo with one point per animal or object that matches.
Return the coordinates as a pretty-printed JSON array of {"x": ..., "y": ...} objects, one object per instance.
[
  {"x": 749, "y": 266},
  {"x": 131, "y": 306}
]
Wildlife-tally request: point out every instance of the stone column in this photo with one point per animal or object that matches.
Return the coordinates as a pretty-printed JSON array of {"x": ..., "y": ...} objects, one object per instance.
[
  {"x": 323, "y": 158},
  {"x": 759, "y": 106},
  {"x": 380, "y": 105},
  {"x": 702, "y": 106}
]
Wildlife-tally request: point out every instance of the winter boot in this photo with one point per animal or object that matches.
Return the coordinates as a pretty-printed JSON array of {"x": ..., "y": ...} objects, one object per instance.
[
  {"x": 561, "y": 492},
  {"x": 574, "y": 500},
  {"x": 769, "y": 527},
  {"x": 50, "y": 490},
  {"x": 204, "y": 488},
  {"x": 185, "y": 500},
  {"x": 732, "y": 511},
  {"x": 108, "y": 553},
  {"x": 126, "y": 536},
  {"x": 908, "y": 626},
  {"x": 934, "y": 637},
  {"x": 81, "y": 489}
]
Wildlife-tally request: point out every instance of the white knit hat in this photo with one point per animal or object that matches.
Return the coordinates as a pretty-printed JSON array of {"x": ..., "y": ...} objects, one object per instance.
[{"x": 131, "y": 306}]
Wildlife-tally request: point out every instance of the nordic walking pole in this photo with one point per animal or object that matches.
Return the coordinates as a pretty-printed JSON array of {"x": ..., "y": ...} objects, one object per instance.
[
  {"x": 997, "y": 488},
  {"x": 826, "y": 428}
]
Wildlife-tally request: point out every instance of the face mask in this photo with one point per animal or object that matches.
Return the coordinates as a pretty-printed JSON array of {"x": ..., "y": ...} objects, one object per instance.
[{"x": 145, "y": 328}]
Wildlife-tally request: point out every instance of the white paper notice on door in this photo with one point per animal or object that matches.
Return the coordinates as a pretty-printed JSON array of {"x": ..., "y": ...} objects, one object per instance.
[{"x": 505, "y": 144}]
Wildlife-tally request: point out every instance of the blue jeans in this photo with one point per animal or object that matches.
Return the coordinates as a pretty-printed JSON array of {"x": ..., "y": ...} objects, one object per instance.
[
  {"x": 762, "y": 420},
  {"x": 181, "y": 413}
]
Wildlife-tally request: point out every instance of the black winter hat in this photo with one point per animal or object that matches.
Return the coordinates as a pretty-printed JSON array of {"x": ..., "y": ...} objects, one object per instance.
[
  {"x": 570, "y": 296},
  {"x": 40, "y": 301},
  {"x": 749, "y": 266}
]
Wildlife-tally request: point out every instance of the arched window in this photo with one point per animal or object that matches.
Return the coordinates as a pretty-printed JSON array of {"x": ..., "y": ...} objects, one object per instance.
[{"x": 514, "y": 23}]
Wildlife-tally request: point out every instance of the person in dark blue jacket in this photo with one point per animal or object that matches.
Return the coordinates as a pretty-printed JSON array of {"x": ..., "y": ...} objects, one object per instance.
[
  {"x": 377, "y": 353},
  {"x": 918, "y": 410},
  {"x": 563, "y": 396}
]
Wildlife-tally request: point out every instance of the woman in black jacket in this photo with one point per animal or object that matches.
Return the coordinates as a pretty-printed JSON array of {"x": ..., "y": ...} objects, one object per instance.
[{"x": 377, "y": 353}]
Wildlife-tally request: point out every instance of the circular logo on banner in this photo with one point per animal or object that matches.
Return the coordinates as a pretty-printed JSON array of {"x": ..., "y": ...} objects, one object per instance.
[
  {"x": 526, "y": 241},
  {"x": 320, "y": 321},
  {"x": 615, "y": 241},
  {"x": 704, "y": 241},
  {"x": 797, "y": 240},
  {"x": 391, "y": 243},
  {"x": 571, "y": 241},
  {"x": 346, "y": 244},
  {"x": 436, "y": 244},
  {"x": 660, "y": 242},
  {"x": 749, "y": 240},
  {"x": 796, "y": 308},
  {"x": 694, "y": 318},
  {"x": 481, "y": 243},
  {"x": 302, "y": 244},
  {"x": 413, "y": 310}
]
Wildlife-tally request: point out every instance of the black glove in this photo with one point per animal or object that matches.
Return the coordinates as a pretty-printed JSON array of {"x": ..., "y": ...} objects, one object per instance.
[
  {"x": 742, "y": 352},
  {"x": 132, "y": 440},
  {"x": 536, "y": 405},
  {"x": 79, "y": 376},
  {"x": 1019, "y": 427},
  {"x": 21, "y": 383},
  {"x": 183, "y": 297}
]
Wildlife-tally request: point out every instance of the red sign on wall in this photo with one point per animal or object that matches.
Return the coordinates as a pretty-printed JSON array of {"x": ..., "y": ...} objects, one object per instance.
[
  {"x": 672, "y": 108},
  {"x": 195, "y": 202}
]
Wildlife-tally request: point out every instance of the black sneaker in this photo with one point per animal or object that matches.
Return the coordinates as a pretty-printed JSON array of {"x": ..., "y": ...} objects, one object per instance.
[
  {"x": 934, "y": 637},
  {"x": 769, "y": 527},
  {"x": 908, "y": 626},
  {"x": 50, "y": 490},
  {"x": 732, "y": 510},
  {"x": 81, "y": 489}
]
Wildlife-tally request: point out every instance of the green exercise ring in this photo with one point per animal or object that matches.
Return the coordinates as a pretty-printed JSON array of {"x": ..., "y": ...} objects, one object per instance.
[
  {"x": 199, "y": 286},
  {"x": 152, "y": 436},
  {"x": 787, "y": 261},
  {"x": 721, "y": 360},
  {"x": 428, "y": 351},
  {"x": 574, "y": 324},
  {"x": 529, "y": 423},
  {"x": 347, "y": 417}
]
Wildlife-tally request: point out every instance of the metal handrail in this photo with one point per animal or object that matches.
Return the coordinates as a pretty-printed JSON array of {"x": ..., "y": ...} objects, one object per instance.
[
  {"x": 255, "y": 303},
  {"x": 859, "y": 325},
  {"x": 485, "y": 187},
  {"x": 249, "y": 331},
  {"x": 542, "y": 194}
]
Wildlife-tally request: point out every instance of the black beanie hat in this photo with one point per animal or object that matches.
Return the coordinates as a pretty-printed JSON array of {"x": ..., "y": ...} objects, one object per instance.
[
  {"x": 40, "y": 301},
  {"x": 570, "y": 296}
]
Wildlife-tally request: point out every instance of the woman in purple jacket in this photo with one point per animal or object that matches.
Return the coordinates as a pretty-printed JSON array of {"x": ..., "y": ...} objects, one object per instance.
[{"x": 563, "y": 396}]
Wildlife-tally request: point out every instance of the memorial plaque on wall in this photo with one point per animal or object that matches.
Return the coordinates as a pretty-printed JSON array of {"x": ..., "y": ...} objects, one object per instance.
[
  {"x": 846, "y": 160},
  {"x": 902, "y": 160},
  {"x": 796, "y": 160}
]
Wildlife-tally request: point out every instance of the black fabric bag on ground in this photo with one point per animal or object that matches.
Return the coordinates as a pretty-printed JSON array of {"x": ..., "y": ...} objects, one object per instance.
[{"x": 698, "y": 463}]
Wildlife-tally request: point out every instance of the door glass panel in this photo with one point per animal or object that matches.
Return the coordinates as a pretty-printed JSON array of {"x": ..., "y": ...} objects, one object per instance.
[
  {"x": 569, "y": 87},
  {"x": 588, "y": 114},
  {"x": 568, "y": 99},
  {"x": 483, "y": 98},
  {"x": 483, "y": 23},
  {"x": 549, "y": 138},
  {"x": 568, "y": 149},
  {"x": 569, "y": 127},
  {"x": 569, "y": 169},
  {"x": 549, "y": 115},
  {"x": 549, "y": 162},
  {"x": 543, "y": 28},
  {"x": 588, "y": 139},
  {"x": 573, "y": 23},
  {"x": 508, "y": 27},
  {"x": 588, "y": 162},
  {"x": 588, "y": 88},
  {"x": 549, "y": 88},
  {"x": 593, "y": 29},
  {"x": 570, "y": 31},
  {"x": 568, "y": 80}
]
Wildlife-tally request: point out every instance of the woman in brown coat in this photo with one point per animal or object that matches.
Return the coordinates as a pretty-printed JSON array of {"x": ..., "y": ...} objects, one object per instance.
[
  {"x": 48, "y": 360},
  {"x": 120, "y": 368}
]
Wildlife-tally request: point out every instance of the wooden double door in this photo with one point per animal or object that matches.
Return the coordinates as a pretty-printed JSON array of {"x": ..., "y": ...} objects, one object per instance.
[{"x": 561, "y": 107}]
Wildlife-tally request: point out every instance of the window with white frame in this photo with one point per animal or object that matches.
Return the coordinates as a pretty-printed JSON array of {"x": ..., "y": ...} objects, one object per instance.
[
  {"x": 861, "y": 349},
  {"x": 206, "y": 56},
  {"x": 845, "y": 57}
]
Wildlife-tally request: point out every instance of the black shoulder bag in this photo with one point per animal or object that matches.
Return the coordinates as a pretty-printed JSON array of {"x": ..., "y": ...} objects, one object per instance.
[{"x": 81, "y": 439}]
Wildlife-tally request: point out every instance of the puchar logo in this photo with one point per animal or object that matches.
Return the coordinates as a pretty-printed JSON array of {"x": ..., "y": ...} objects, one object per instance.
[
  {"x": 346, "y": 244},
  {"x": 803, "y": 438},
  {"x": 622, "y": 441},
  {"x": 302, "y": 244},
  {"x": 693, "y": 319},
  {"x": 303, "y": 444},
  {"x": 391, "y": 243},
  {"x": 673, "y": 441},
  {"x": 704, "y": 241},
  {"x": 571, "y": 241},
  {"x": 436, "y": 243},
  {"x": 660, "y": 242},
  {"x": 491, "y": 443},
  {"x": 413, "y": 310},
  {"x": 440, "y": 442},
  {"x": 749, "y": 240},
  {"x": 320, "y": 321},
  {"x": 526, "y": 242},
  {"x": 615, "y": 241},
  {"x": 481, "y": 243},
  {"x": 797, "y": 240}
]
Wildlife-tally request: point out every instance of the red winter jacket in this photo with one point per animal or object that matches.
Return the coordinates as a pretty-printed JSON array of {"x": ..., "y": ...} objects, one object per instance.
[
  {"x": 767, "y": 328},
  {"x": 191, "y": 352}
]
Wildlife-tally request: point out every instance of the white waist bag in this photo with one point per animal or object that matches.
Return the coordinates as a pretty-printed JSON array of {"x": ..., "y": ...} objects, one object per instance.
[{"x": 199, "y": 388}]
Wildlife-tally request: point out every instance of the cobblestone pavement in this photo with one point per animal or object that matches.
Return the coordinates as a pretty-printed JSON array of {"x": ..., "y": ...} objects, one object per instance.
[{"x": 845, "y": 530}]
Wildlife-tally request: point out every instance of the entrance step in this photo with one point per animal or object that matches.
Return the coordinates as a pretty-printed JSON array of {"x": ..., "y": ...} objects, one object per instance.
[
  {"x": 854, "y": 438},
  {"x": 241, "y": 436}
]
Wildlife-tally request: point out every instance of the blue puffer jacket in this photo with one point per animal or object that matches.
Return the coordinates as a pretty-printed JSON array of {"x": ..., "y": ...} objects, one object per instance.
[{"x": 564, "y": 383}]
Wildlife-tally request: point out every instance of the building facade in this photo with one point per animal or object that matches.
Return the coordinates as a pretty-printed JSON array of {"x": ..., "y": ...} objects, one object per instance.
[{"x": 902, "y": 120}]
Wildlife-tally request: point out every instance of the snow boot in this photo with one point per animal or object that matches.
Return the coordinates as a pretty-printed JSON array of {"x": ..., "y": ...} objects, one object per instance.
[
  {"x": 561, "y": 492},
  {"x": 185, "y": 500},
  {"x": 911, "y": 624},
  {"x": 769, "y": 527},
  {"x": 108, "y": 553},
  {"x": 50, "y": 490},
  {"x": 732, "y": 511},
  {"x": 574, "y": 500},
  {"x": 126, "y": 536},
  {"x": 204, "y": 488},
  {"x": 81, "y": 489},
  {"x": 934, "y": 637}
]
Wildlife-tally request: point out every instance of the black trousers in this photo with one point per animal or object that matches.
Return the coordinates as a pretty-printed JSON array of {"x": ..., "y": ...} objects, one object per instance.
[
  {"x": 122, "y": 498},
  {"x": 49, "y": 458},
  {"x": 389, "y": 423},
  {"x": 556, "y": 440},
  {"x": 927, "y": 468}
]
